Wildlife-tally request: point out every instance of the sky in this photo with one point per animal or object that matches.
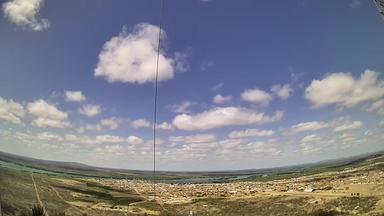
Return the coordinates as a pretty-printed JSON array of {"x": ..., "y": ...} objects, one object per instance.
[{"x": 245, "y": 84}]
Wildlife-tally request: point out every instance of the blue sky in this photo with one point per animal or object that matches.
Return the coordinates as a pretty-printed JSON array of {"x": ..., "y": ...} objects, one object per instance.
[{"x": 243, "y": 85}]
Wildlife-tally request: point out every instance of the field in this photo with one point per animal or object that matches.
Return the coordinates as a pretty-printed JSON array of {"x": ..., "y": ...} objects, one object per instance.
[{"x": 348, "y": 188}]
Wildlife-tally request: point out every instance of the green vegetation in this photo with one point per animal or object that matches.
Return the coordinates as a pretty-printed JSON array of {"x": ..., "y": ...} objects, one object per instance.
[{"x": 38, "y": 211}]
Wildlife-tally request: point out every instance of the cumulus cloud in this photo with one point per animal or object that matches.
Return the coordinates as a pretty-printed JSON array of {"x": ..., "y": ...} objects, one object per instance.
[
  {"x": 197, "y": 138},
  {"x": 110, "y": 123},
  {"x": 220, "y": 99},
  {"x": 143, "y": 123},
  {"x": 104, "y": 139},
  {"x": 308, "y": 126},
  {"x": 47, "y": 115},
  {"x": 223, "y": 116},
  {"x": 377, "y": 107},
  {"x": 131, "y": 57},
  {"x": 344, "y": 90},
  {"x": 349, "y": 126},
  {"x": 116, "y": 150},
  {"x": 140, "y": 123},
  {"x": 256, "y": 96},
  {"x": 24, "y": 14},
  {"x": 11, "y": 111},
  {"x": 250, "y": 133},
  {"x": 74, "y": 96},
  {"x": 134, "y": 140},
  {"x": 90, "y": 110},
  {"x": 109, "y": 139},
  {"x": 52, "y": 123},
  {"x": 192, "y": 147},
  {"x": 182, "y": 107},
  {"x": 104, "y": 124},
  {"x": 283, "y": 91},
  {"x": 165, "y": 126}
]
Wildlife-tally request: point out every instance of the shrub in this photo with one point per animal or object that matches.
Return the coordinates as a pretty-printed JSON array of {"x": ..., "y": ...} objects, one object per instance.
[{"x": 38, "y": 211}]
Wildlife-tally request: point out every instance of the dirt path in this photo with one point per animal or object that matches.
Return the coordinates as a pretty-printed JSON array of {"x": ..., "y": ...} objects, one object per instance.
[
  {"x": 38, "y": 196},
  {"x": 62, "y": 198}
]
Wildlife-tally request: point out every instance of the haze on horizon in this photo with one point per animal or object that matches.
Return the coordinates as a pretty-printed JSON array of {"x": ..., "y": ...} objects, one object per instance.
[{"x": 242, "y": 85}]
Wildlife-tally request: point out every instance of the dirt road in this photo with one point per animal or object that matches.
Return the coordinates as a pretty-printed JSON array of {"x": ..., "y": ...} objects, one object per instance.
[{"x": 38, "y": 196}]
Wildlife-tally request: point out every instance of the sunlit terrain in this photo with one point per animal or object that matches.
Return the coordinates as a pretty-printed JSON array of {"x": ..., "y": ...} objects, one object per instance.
[{"x": 352, "y": 186}]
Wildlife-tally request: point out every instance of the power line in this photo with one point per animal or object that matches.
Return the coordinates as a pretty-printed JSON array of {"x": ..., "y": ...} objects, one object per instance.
[{"x": 155, "y": 99}]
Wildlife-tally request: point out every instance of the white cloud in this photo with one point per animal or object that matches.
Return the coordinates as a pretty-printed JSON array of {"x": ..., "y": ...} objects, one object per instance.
[
  {"x": 256, "y": 96},
  {"x": 90, "y": 110},
  {"x": 109, "y": 139},
  {"x": 321, "y": 143},
  {"x": 347, "y": 137},
  {"x": 182, "y": 107},
  {"x": 308, "y": 143},
  {"x": 223, "y": 116},
  {"x": 11, "y": 111},
  {"x": 377, "y": 107},
  {"x": 131, "y": 57},
  {"x": 41, "y": 108},
  {"x": 250, "y": 133},
  {"x": 283, "y": 91},
  {"x": 104, "y": 139},
  {"x": 344, "y": 90},
  {"x": 141, "y": 123},
  {"x": 134, "y": 140},
  {"x": 50, "y": 123},
  {"x": 91, "y": 127},
  {"x": 47, "y": 115},
  {"x": 23, "y": 13},
  {"x": 261, "y": 147},
  {"x": 193, "y": 146},
  {"x": 108, "y": 124},
  {"x": 115, "y": 150},
  {"x": 45, "y": 136},
  {"x": 165, "y": 126},
  {"x": 308, "y": 126},
  {"x": 220, "y": 99},
  {"x": 200, "y": 138},
  {"x": 74, "y": 96},
  {"x": 180, "y": 62},
  {"x": 349, "y": 126},
  {"x": 231, "y": 143}
]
